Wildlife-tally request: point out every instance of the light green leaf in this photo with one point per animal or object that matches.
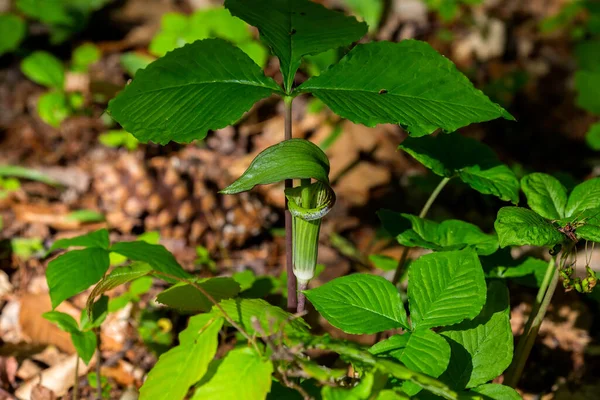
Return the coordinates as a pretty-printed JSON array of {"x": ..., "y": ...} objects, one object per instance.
[
  {"x": 296, "y": 28},
  {"x": 252, "y": 377},
  {"x": 85, "y": 216},
  {"x": 389, "y": 394},
  {"x": 45, "y": 69},
  {"x": 592, "y": 137},
  {"x": 256, "y": 51},
  {"x": 186, "y": 297},
  {"x": 84, "y": 342},
  {"x": 245, "y": 279},
  {"x": 271, "y": 319},
  {"x": 211, "y": 97},
  {"x": 406, "y": 83},
  {"x": 473, "y": 162},
  {"x": 12, "y": 32},
  {"x": 64, "y": 321},
  {"x": 84, "y": 56},
  {"x": 74, "y": 272},
  {"x": 518, "y": 226},
  {"x": 545, "y": 195},
  {"x": 118, "y": 277},
  {"x": 369, "y": 10},
  {"x": 184, "y": 365},
  {"x": 495, "y": 391},
  {"x": 452, "y": 234},
  {"x": 133, "y": 61},
  {"x": 53, "y": 108},
  {"x": 117, "y": 138},
  {"x": 290, "y": 159},
  {"x": 445, "y": 288},
  {"x": 482, "y": 348},
  {"x": 26, "y": 173},
  {"x": 584, "y": 196},
  {"x": 383, "y": 262},
  {"x": 360, "y": 304},
  {"x": 156, "y": 255},
  {"x": 587, "y": 84},
  {"x": 97, "y": 238},
  {"x": 362, "y": 391}
]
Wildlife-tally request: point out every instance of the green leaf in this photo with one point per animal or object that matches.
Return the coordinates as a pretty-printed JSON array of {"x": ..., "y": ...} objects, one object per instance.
[
  {"x": 186, "y": 297},
  {"x": 290, "y": 159},
  {"x": 452, "y": 234},
  {"x": 586, "y": 84},
  {"x": 95, "y": 314},
  {"x": 26, "y": 173},
  {"x": 271, "y": 319},
  {"x": 12, "y": 32},
  {"x": 530, "y": 271},
  {"x": 588, "y": 55},
  {"x": 184, "y": 365},
  {"x": 369, "y": 10},
  {"x": 584, "y": 196},
  {"x": 296, "y": 28},
  {"x": 383, "y": 262},
  {"x": 406, "y": 83},
  {"x": 74, "y": 272},
  {"x": 156, "y": 255},
  {"x": 53, "y": 108},
  {"x": 245, "y": 279},
  {"x": 473, "y": 162},
  {"x": 118, "y": 277},
  {"x": 211, "y": 97},
  {"x": 518, "y": 226},
  {"x": 495, "y": 391},
  {"x": 133, "y": 61},
  {"x": 85, "y": 216},
  {"x": 545, "y": 195},
  {"x": 97, "y": 238},
  {"x": 252, "y": 377},
  {"x": 360, "y": 304},
  {"x": 445, "y": 288},
  {"x": 45, "y": 69},
  {"x": 117, "y": 138},
  {"x": 84, "y": 342},
  {"x": 592, "y": 137},
  {"x": 84, "y": 56},
  {"x": 364, "y": 390},
  {"x": 64, "y": 321},
  {"x": 482, "y": 348}
]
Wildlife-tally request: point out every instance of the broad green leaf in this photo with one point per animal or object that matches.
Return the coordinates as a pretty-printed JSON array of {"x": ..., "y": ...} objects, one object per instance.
[
  {"x": 360, "y": 304},
  {"x": 584, "y": 196},
  {"x": 45, "y": 69},
  {"x": 252, "y": 377},
  {"x": 156, "y": 255},
  {"x": 588, "y": 55},
  {"x": 186, "y": 297},
  {"x": 97, "y": 238},
  {"x": 406, "y": 83},
  {"x": 118, "y": 277},
  {"x": 482, "y": 348},
  {"x": 495, "y": 391},
  {"x": 452, "y": 234},
  {"x": 245, "y": 279},
  {"x": 84, "y": 342},
  {"x": 174, "y": 100},
  {"x": 185, "y": 364},
  {"x": 296, "y": 28},
  {"x": 545, "y": 195},
  {"x": 74, "y": 272},
  {"x": 592, "y": 137},
  {"x": 383, "y": 262},
  {"x": 445, "y": 288},
  {"x": 84, "y": 56},
  {"x": 12, "y": 32},
  {"x": 271, "y": 319},
  {"x": 473, "y": 162},
  {"x": 517, "y": 226},
  {"x": 587, "y": 84},
  {"x": 369, "y": 10},
  {"x": 53, "y": 108},
  {"x": 133, "y": 61},
  {"x": 290, "y": 159},
  {"x": 530, "y": 271}
]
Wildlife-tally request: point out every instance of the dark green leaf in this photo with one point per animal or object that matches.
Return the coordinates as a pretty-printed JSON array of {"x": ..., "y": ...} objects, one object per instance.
[
  {"x": 530, "y": 271},
  {"x": 94, "y": 314},
  {"x": 97, "y": 238},
  {"x": 588, "y": 55},
  {"x": 445, "y": 288},
  {"x": 482, "y": 348},
  {"x": 209, "y": 97},
  {"x": 518, "y": 226},
  {"x": 545, "y": 195},
  {"x": 587, "y": 84},
  {"x": 452, "y": 234},
  {"x": 184, "y": 365},
  {"x": 186, "y": 297},
  {"x": 360, "y": 304},
  {"x": 296, "y": 28},
  {"x": 12, "y": 32},
  {"x": 290, "y": 159},
  {"x": 74, "y": 272},
  {"x": 156, "y": 255},
  {"x": 473, "y": 162},
  {"x": 592, "y": 137},
  {"x": 495, "y": 391},
  {"x": 406, "y": 83},
  {"x": 45, "y": 69},
  {"x": 584, "y": 196}
]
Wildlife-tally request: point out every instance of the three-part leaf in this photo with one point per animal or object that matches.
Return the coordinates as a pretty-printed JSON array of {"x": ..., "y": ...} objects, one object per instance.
[
  {"x": 545, "y": 195},
  {"x": 360, "y": 304},
  {"x": 296, "y": 28},
  {"x": 406, "y": 83},
  {"x": 470, "y": 160},
  {"x": 84, "y": 342},
  {"x": 206, "y": 85}
]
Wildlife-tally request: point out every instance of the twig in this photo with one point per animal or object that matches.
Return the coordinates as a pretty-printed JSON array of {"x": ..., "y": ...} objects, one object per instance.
[
  {"x": 98, "y": 366},
  {"x": 76, "y": 382}
]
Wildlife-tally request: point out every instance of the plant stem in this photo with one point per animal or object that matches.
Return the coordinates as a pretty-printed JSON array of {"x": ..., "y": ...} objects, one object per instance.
[
  {"x": 301, "y": 297},
  {"x": 532, "y": 328},
  {"x": 422, "y": 214},
  {"x": 76, "y": 382},
  {"x": 98, "y": 366},
  {"x": 292, "y": 301}
]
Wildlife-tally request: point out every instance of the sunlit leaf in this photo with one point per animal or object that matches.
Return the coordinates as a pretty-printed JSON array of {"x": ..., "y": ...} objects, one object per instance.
[
  {"x": 517, "y": 226},
  {"x": 45, "y": 69}
]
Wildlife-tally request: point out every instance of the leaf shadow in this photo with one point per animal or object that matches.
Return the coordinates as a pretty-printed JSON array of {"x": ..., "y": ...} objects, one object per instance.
[{"x": 460, "y": 367}]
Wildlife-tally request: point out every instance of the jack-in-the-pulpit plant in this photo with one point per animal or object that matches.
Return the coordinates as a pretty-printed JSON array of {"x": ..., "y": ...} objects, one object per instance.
[{"x": 454, "y": 336}]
